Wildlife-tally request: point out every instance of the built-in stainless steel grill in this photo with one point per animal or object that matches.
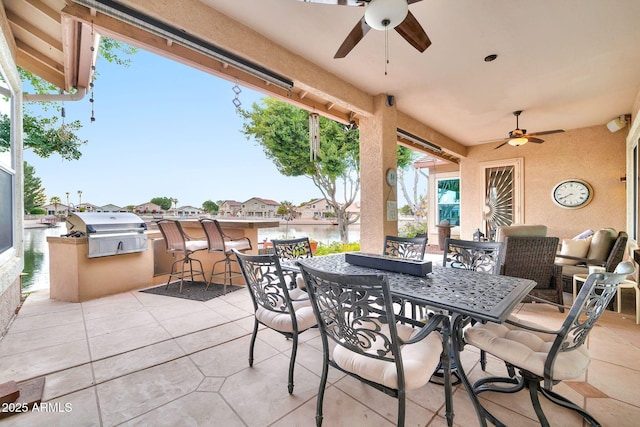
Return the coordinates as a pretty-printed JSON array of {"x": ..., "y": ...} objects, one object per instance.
[{"x": 109, "y": 233}]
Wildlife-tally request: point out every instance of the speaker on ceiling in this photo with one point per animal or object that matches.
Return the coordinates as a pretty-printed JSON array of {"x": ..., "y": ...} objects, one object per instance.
[{"x": 617, "y": 124}]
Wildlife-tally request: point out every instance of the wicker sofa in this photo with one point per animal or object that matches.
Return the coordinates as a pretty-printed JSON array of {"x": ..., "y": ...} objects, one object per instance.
[{"x": 606, "y": 249}]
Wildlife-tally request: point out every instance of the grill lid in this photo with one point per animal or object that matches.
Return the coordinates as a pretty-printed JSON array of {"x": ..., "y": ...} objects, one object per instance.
[{"x": 105, "y": 222}]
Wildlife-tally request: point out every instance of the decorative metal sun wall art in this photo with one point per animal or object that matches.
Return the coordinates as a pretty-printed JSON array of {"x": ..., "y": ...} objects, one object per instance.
[{"x": 498, "y": 208}]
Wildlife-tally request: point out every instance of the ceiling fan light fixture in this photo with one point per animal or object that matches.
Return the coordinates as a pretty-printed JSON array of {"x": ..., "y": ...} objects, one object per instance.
[
  {"x": 385, "y": 14},
  {"x": 516, "y": 142}
]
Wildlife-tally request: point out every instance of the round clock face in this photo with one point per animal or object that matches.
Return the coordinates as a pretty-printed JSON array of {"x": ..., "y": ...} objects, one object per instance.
[
  {"x": 572, "y": 194},
  {"x": 391, "y": 177}
]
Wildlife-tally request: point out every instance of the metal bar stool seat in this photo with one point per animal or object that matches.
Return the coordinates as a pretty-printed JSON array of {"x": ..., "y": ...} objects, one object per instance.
[
  {"x": 219, "y": 242},
  {"x": 179, "y": 243}
]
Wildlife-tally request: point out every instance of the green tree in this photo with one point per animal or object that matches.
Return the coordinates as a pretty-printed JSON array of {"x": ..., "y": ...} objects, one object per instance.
[
  {"x": 47, "y": 135},
  {"x": 163, "y": 202},
  {"x": 405, "y": 210},
  {"x": 44, "y": 136},
  {"x": 33, "y": 191},
  {"x": 417, "y": 202},
  {"x": 283, "y": 132},
  {"x": 55, "y": 200},
  {"x": 287, "y": 210},
  {"x": 210, "y": 207}
]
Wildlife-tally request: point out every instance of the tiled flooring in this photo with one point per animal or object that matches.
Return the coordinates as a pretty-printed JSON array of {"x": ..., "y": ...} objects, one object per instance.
[{"x": 149, "y": 360}]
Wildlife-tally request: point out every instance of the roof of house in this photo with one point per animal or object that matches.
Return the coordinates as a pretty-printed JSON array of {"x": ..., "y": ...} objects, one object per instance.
[{"x": 265, "y": 201}]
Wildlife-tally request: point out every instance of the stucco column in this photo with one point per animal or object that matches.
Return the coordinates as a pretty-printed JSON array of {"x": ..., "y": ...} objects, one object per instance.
[{"x": 378, "y": 153}]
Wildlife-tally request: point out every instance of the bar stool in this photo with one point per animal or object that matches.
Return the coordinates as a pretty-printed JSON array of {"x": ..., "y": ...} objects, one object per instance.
[
  {"x": 179, "y": 244},
  {"x": 220, "y": 242}
]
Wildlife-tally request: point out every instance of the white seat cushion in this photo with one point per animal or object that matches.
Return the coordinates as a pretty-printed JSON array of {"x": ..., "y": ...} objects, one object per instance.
[
  {"x": 280, "y": 321},
  {"x": 299, "y": 298},
  {"x": 196, "y": 245},
  {"x": 420, "y": 360},
  {"x": 239, "y": 245},
  {"x": 526, "y": 349},
  {"x": 300, "y": 282}
]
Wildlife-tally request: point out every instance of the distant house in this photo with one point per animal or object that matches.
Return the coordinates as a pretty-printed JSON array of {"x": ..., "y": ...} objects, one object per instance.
[
  {"x": 87, "y": 207},
  {"x": 148, "y": 208},
  {"x": 189, "y": 211},
  {"x": 109, "y": 208},
  {"x": 261, "y": 208},
  {"x": 230, "y": 208},
  {"x": 55, "y": 208},
  {"x": 315, "y": 209}
]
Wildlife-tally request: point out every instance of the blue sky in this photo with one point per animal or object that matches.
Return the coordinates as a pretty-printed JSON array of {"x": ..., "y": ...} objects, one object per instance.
[{"x": 164, "y": 129}]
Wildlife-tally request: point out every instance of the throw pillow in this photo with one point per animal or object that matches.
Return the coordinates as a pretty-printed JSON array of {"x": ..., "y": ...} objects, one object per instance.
[
  {"x": 585, "y": 234},
  {"x": 577, "y": 248},
  {"x": 602, "y": 242}
]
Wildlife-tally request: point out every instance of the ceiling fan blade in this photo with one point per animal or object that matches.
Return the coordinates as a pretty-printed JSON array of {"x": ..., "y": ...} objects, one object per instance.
[
  {"x": 534, "y": 140},
  {"x": 412, "y": 32},
  {"x": 413, "y": 1},
  {"x": 547, "y": 132},
  {"x": 354, "y": 37},
  {"x": 492, "y": 140},
  {"x": 338, "y": 2},
  {"x": 504, "y": 143}
]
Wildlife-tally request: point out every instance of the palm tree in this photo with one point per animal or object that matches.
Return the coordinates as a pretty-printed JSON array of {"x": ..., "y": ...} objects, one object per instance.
[
  {"x": 175, "y": 206},
  {"x": 288, "y": 212},
  {"x": 80, "y": 200},
  {"x": 54, "y": 201}
]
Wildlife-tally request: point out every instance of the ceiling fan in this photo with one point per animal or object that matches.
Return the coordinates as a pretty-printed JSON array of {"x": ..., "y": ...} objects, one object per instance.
[
  {"x": 518, "y": 137},
  {"x": 382, "y": 15}
]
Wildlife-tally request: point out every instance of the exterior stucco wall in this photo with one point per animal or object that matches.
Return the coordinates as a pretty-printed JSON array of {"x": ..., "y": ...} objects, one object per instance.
[
  {"x": 12, "y": 261},
  {"x": 593, "y": 154}
]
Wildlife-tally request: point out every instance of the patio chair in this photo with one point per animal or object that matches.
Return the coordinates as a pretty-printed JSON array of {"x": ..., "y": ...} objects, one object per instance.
[
  {"x": 533, "y": 257},
  {"x": 543, "y": 355},
  {"x": 356, "y": 313},
  {"x": 221, "y": 243},
  {"x": 293, "y": 249},
  {"x": 285, "y": 311},
  {"x": 484, "y": 257},
  {"x": 405, "y": 247},
  {"x": 179, "y": 243}
]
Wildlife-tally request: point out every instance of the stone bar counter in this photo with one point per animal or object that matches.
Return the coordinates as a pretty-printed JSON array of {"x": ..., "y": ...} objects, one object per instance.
[{"x": 74, "y": 277}]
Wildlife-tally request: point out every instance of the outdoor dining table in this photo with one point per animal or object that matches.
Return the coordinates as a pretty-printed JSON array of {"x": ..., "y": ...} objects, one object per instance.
[{"x": 462, "y": 293}]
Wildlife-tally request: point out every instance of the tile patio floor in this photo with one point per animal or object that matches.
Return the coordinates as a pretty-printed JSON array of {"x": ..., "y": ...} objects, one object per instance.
[{"x": 138, "y": 359}]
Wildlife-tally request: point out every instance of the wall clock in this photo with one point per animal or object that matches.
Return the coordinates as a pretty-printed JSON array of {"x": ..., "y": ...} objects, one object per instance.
[
  {"x": 572, "y": 193},
  {"x": 392, "y": 177}
]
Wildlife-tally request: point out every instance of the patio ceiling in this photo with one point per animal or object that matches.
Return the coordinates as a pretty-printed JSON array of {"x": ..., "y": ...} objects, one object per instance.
[
  {"x": 567, "y": 64},
  {"x": 49, "y": 45}
]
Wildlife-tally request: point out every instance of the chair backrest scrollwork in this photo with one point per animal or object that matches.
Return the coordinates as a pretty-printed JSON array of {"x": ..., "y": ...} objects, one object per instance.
[
  {"x": 405, "y": 247},
  {"x": 266, "y": 283},
  {"x": 292, "y": 248},
  {"x": 485, "y": 257}
]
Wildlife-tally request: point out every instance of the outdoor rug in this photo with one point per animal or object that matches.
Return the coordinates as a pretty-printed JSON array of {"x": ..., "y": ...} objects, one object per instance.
[{"x": 192, "y": 290}]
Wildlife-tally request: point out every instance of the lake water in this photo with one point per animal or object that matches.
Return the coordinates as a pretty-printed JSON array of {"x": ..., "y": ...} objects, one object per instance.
[
  {"x": 36, "y": 248},
  {"x": 36, "y": 257}
]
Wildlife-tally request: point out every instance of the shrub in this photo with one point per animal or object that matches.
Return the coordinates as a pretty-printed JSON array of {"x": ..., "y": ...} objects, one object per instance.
[
  {"x": 37, "y": 211},
  {"x": 411, "y": 229},
  {"x": 337, "y": 247}
]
